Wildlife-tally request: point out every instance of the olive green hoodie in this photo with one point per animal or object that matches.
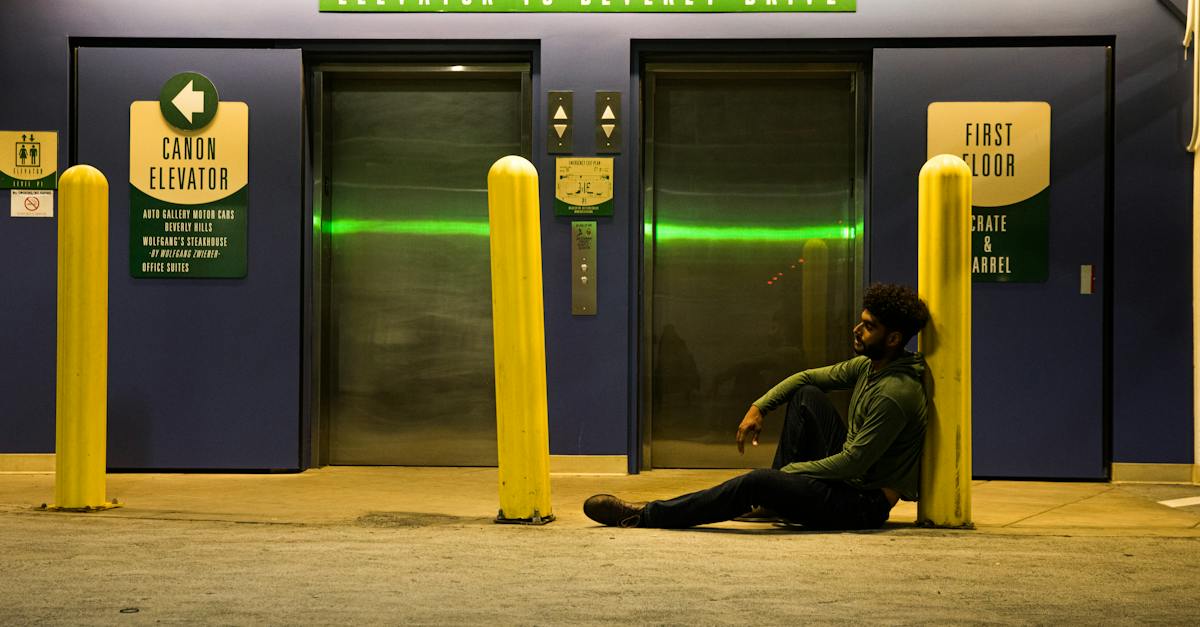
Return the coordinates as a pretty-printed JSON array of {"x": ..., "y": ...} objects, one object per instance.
[{"x": 886, "y": 427}]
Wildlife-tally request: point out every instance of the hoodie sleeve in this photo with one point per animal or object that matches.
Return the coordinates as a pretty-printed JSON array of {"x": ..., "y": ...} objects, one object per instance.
[
  {"x": 882, "y": 422},
  {"x": 839, "y": 376}
]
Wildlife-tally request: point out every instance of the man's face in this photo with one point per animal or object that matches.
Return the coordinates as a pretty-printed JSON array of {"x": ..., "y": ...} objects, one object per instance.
[{"x": 870, "y": 337}]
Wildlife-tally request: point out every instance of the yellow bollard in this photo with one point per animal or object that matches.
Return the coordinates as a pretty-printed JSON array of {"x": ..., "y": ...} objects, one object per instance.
[
  {"x": 944, "y": 279},
  {"x": 815, "y": 306},
  {"x": 519, "y": 339},
  {"x": 81, "y": 393}
]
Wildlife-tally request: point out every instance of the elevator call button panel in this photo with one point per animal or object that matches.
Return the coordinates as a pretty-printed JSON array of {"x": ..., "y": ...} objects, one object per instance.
[
  {"x": 561, "y": 122},
  {"x": 583, "y": 268},
  {"x": 608, "y": 122}
]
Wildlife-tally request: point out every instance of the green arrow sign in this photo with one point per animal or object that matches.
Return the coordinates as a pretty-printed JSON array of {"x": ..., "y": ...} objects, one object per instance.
[{"x": 188, "y": 101}]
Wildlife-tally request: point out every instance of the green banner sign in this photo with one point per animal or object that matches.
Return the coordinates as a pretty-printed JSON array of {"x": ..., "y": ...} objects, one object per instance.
[
  {"x": 168, "y": 240},
  {"x": 590, "y": 6}
]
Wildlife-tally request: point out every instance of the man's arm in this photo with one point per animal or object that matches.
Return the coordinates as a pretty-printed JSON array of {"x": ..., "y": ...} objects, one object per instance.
[
  {"x": 839, "y": 376},
  {"x": 883, "y": 422}
]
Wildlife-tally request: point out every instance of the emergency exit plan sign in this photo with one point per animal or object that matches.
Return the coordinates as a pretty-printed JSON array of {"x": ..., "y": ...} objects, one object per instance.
[{"x": 188, "y": 174}]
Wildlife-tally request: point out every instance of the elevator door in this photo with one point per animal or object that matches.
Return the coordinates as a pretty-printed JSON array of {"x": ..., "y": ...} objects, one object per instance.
[
  {"x": 408, "y": 359},
  {"x": 753, "y": 252}
]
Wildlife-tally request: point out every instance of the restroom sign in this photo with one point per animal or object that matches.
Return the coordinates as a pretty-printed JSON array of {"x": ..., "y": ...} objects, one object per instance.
[
  {"x": 188, "y": 183},
  {"x": 1007, "y": 147}
]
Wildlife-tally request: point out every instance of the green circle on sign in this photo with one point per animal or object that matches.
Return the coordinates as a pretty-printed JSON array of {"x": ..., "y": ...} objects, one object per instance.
[{"x": 188, "y": 101}]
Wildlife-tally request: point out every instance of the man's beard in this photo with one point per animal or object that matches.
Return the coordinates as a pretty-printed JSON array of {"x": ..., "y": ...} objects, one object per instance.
[{"x": 870, "y": 351}]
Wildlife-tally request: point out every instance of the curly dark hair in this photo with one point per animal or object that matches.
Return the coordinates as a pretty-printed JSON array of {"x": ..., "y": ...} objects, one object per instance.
[{"x": 898, "y": 307}]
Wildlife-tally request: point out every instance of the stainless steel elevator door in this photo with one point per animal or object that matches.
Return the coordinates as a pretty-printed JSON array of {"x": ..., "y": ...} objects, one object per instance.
[
  {"x": 753, "y": 252},
  {"x": 409, "y": 356}
]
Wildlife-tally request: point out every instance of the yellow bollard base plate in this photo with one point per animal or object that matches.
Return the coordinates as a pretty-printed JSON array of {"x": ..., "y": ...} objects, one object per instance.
[
  {"x": 535, "y": 520},
  {"x": 932, "y": 525},
  {"x": 83, "y": 510}
]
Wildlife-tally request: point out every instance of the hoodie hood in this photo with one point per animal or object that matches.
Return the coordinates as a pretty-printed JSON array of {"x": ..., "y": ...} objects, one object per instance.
[{"x": 909, "y": 364}]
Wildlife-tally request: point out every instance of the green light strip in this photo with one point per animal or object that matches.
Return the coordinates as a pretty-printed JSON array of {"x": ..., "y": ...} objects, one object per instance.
[
  {"x": 408, "y": 227},
  {"x": 747, "y": 234},
  {"x": 665, "y": 232}
]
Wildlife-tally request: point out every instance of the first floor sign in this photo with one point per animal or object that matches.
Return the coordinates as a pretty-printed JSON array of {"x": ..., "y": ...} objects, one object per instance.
[{"x": 1007, "y": 147}]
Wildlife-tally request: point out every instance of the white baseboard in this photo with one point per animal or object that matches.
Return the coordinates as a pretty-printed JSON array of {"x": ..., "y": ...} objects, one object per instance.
[
  {"x": 26, "y": 462},
  {"x": 1155, "y": 473},
  {"x": 589, "y": 465},
  {"x": 559, "y": 464}
]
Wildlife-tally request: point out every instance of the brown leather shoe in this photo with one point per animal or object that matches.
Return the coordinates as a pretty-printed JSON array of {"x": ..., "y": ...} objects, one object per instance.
[{"x": 607, "y": 509}]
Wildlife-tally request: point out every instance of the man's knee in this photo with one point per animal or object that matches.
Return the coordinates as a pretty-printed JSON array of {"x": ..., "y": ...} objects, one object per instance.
[
  {"x": 760, "y": 479},
  {"x": 807, "y": 399},
  {"x": 807, "y": 394},
  {"x": 781, "y": 491},
  {"x": 759, "y": 475}
]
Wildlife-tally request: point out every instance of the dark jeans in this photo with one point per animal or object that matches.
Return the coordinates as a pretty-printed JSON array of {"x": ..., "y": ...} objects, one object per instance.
[{"x": 811, "y": 430}]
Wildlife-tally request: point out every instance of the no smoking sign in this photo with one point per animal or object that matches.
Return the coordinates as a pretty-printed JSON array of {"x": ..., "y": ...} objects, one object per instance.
[{"x": 31, "y": 204}]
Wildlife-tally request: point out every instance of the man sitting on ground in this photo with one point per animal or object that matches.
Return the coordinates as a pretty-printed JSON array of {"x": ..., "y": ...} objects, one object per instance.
[{"x": 825, "y": 475}]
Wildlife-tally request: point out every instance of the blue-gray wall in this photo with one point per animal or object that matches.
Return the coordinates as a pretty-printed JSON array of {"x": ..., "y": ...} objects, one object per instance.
[
  {"x": 1151, "y": 344},
  {"x": 203, "y": 373}
]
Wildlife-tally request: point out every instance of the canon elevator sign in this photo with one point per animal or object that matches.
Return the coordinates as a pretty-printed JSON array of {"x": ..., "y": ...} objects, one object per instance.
[{"x": 188, "y": 174}]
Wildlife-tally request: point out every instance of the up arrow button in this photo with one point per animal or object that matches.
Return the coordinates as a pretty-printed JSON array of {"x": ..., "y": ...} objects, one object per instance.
[{"x": 188, "y": 101}]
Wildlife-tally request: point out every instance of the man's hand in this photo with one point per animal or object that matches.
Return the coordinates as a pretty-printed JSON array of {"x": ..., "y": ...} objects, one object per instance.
[{"x": 749, "y": 429}]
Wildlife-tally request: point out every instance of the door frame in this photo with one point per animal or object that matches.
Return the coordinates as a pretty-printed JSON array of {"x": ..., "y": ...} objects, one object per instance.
[
  {"x": 735, "y": 66},
  {"x": 320, "y": 76}
]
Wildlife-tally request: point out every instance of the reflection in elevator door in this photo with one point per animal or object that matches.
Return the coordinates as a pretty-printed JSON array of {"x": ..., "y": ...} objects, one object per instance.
[
  {"x": 408, "y": 363},
  {"x": 753, "y": 251}
]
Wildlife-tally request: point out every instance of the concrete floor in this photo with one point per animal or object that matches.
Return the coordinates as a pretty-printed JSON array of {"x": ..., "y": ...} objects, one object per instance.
[{"x": 417, "y": 545}]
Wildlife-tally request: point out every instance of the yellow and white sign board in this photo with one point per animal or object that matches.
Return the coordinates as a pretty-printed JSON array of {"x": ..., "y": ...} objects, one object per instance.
[
  {"x": 188, "y": 168},
  {"x": 28, "y": 159},
  {"x": 1007, "y": 147},
  {"x": 188, "y": 194}
]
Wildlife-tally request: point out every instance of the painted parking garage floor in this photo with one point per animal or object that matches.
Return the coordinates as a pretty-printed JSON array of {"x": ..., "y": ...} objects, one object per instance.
[{"x": 417, "y": 545}]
